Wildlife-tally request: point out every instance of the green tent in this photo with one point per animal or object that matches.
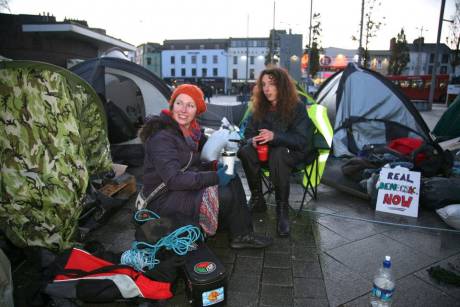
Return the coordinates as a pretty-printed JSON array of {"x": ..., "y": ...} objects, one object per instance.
[
  {"x": 448, "y": 126},
  {"x": 53, "y": 136}
]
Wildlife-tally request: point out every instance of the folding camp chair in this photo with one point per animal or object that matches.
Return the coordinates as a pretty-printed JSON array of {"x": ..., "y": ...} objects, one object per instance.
[{"x": 310, "y": 172}]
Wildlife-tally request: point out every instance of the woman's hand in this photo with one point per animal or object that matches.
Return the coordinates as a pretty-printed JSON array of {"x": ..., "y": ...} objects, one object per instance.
[
  {"x": 224, "y": 178},
  {"x": 264, "y": 137}
]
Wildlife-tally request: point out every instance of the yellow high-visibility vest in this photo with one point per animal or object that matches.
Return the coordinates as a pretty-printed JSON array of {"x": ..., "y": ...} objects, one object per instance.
[{"x": 318, "y": 115}]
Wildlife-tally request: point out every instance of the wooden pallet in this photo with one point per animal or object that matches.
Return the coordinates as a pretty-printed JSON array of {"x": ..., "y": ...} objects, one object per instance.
[{"x": 127, "y": 187}]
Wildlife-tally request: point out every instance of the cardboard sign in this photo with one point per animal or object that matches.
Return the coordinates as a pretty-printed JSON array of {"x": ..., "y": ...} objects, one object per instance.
[{"x": 399, "y": 191}]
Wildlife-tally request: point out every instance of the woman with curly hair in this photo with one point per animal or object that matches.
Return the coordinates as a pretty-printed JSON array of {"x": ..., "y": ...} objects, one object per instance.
[{"x": 280, "y": 120}]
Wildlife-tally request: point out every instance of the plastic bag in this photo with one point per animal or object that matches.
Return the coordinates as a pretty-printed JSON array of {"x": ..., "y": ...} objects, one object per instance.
[
  {"x": 451, "y": 215},
  {"x": 226, "y": 137}
]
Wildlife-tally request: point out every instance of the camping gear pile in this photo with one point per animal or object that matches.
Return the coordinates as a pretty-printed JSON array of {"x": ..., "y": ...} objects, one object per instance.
[
  {"x": 56, "y": 165},
  {"x": 144, "y": 272},
  {"x": 375, "y": 125}
]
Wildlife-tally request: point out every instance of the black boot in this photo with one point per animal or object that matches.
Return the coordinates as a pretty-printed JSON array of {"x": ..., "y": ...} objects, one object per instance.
[
  {"x": 257, "y": 200},
  {"x": 282, "y": 211},
  {"x": 282, "y": 214}
]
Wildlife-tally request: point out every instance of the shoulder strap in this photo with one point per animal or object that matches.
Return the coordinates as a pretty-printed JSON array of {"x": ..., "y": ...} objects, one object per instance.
[{"x": 163, "y": 185}]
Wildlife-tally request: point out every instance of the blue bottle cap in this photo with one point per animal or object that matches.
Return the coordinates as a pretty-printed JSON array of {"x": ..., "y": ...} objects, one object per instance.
[{"x": 387, "y": 262}]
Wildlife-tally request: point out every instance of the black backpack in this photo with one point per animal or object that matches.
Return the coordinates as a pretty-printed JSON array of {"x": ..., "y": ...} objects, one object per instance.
[{"x": 438, "y": 192}]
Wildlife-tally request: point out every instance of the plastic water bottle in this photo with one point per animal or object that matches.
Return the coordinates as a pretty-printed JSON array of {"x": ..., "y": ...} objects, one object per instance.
[{"x": 384, "y": 285}]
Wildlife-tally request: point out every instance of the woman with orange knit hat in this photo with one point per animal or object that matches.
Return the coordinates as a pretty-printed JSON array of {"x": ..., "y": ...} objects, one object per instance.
[{"x": 196, "y": 192}]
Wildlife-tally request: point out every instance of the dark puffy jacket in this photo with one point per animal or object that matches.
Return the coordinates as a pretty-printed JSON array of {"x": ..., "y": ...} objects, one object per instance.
[
  {"x": 166, "y": 152},
  {"x": 296, "y": 135}
]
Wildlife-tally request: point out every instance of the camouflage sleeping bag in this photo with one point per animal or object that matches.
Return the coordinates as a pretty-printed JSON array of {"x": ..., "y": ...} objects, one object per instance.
[{"x": 52, "y": 137}]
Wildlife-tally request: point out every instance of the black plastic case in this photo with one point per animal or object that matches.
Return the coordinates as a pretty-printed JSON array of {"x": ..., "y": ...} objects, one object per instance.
[{"x": 205, "y": 278}]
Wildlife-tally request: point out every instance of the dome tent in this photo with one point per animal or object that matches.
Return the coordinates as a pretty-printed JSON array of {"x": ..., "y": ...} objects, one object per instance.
[
  {"x": 53, "y": 137},
  {"x": 365, "y": 109},
  {"x": 448, "y": 126}
]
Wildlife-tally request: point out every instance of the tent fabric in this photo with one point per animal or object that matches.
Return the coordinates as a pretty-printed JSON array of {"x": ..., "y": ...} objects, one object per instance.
[
  {"x": 213, "y": 116},
  {"x": 367, "y": 109},
  {"x": 114, "y": 78},
  {"x": 53, "y": 136},
  {"x": 448, "y": 126},
  {"x": 131, "y": 93}
]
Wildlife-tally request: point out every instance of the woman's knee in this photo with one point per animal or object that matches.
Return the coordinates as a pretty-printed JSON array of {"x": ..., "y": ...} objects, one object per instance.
[
  {"x": 247, "y": 153},
  {"x": 278, "y": 154}
]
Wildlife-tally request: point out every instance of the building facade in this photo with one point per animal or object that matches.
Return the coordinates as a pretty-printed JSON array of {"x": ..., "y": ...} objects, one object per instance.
[
  {"x": 422, "y": 59},
  {"x": 379, "y": 60},
  {"x": 148, "y": 55},
  {"x": 290, "y": 53},
  {"x": 246, "y": 59},
  {"x": 42, "y": 38},
  {"x": 199, "y": 61}
]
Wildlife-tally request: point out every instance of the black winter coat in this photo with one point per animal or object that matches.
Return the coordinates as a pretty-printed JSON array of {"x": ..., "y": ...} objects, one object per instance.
[
  {"x": 297, "y": 135},
  {"x": 166, "y": 152}
]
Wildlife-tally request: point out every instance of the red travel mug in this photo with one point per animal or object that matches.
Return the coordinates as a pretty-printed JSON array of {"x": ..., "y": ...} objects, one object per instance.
[{"x": 262, "y": 152}]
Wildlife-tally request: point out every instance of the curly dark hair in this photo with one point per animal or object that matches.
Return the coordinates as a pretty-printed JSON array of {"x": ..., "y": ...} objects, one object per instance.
[{"x": 287, "y": 95}]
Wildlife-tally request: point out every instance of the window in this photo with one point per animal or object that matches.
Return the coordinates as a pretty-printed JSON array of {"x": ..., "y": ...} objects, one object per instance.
[
  {"x": 404, "y": 83},
  {"x": 251, "y": 73},
  {"x": 431, "y": 57},
  {"x": 173, "y": 59},
  {"x": 418, "y": 83},
  {"x": 182, "y": 59},
  {"x": 173, "y": 72},
  {"x": 193, "y": 59},
  {"x": 251, "y": 60},
  {"x": 214, "y": 59},
  {"x": 445, "y": 58},
  {"x": 193, "y": 72},
  {"x": 149, "y": 61},
  {"x": 215, "y": 72},
  {"x": 201, "y": 46},
  {"x": 430, "y": 70},
  {"x": 182, "y": 72},
  {"x": 204, "y": 59},
  {"x": 443, "y": 70},
  {"x": 235, "y": 73},
  {"x": 235, "y": 60},
  {"x": 204, "y": 72}
]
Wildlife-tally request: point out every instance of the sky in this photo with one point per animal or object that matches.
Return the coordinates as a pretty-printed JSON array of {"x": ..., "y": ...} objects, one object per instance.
[{"x": 141, "y": 21}]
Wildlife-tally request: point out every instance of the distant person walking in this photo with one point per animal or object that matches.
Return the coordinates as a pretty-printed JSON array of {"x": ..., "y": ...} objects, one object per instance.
[{"x": 207, "y": 93}]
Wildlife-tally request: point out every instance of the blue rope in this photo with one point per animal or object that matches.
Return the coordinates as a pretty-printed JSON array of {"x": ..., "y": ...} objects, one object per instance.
[
  {"x": 145, "y": 215},
  {"x": 142, "y": 254}
]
